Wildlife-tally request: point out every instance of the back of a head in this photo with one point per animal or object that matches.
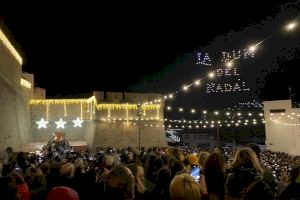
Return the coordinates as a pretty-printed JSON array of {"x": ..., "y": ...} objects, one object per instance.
[
  {"x": 176, "y": 167},
  {"x": 163, "y": 178},
  {"x": 67, "y": 170},
  {"x": 214, "y": 163},
  {"x": 120, "y": 184},
  {"x": 133, "y": 168},
  {"x": 62, "y": 193},
  {"x": 245, "y": 157},
  {"x": 202, "y": 158},
  {"x": 184, "y": 187},
  {"x": 45, "y": 167},
  {"x": 255, "y": 148}
]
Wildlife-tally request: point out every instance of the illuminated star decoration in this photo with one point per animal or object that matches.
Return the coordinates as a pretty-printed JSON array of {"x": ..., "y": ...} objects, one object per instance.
[
  {"x": 77, "y": 122},
  {"x": 60, "y": 124},
  {"x": 42, "y": 123}
]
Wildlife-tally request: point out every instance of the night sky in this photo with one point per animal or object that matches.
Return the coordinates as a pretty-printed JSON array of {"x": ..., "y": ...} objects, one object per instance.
[{"x": 79, "y": 48}]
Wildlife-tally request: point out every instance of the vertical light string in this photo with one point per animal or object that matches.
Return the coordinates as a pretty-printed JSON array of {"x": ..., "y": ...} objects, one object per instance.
[
  {"x": 108, "y": 113},
  {"x": 157, "y": 112},
  {"x": 65, "y": 108},
  {"x": 80, "y": 109},
  {"x": 47, "y": 111},
  {"x": 88, "y": 107},
  {"x": 127, "y": 114},
  {"x": 144, "y": 111},
  {"x": 91, "y": 110},
  {"x": 93, "y": 107}
]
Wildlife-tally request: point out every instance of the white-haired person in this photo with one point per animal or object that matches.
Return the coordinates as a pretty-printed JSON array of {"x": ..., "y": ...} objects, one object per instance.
[{"x": 246, "y": 180}]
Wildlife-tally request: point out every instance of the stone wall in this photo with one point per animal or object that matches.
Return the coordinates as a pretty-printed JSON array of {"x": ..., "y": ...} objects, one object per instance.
[
  {"x": 112, "y": 122},
  {"x": 66, "y": 112},
  {"x": 39, "y": 93},
  {"x": 121, "y": 135},
  {"x": 14, "y": 107}
]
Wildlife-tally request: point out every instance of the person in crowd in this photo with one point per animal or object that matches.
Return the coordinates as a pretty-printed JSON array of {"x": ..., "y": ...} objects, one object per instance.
[
  {"x": 246, "y": 179},
  {"x": 120, "y": 184},
  {"x": 283, "y": 183},
  {"x": 21, "y": 161},
  {"x": 66, "y": 175},
  {"x": 267, "y": 174},
  {"x": 202, "y": 159},
  {"x": 7, "y": 155},
  {"x": 176, "y": 167},
  {"x": 22, "y": 192},
  {"x": 6, "y": 169},
  {"x": 36, "y": 182},
  {"x": 292, "y": 191},
  {"x": 62, "y": 193},
  {"x": 161, "y": 189},
  {"x": 214, "y": 172},
  {"x": 140, "y": 189},
  {"x": 184, "y": 187},
  {"x": 8, "y": 188}
]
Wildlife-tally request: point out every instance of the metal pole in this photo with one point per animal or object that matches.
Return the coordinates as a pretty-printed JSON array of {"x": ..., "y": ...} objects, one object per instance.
[
  {"x": 139, "y": 132},
  {"x": 218, "y": 133},
  {"x": 139, "y": 114}
]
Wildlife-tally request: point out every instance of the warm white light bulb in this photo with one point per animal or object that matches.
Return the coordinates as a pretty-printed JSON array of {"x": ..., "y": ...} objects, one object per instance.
[
  {"x": 291, "y": 26},
  {"x": 197, "y": 82},
  {"x": 252, "y": 48},
  {"x": 229, "y": 64},
  {"x": 211, "y": 74}
]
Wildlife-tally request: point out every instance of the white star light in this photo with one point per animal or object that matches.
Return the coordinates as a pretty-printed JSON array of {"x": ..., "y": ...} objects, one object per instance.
[
  {"x": 77, "y": 122},
  {"x": 42, "y": 123},
  {"x": 60, "y": 124}
]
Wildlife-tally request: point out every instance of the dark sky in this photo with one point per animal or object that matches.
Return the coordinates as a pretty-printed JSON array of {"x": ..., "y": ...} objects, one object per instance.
[{"x": 81, "y": 47}]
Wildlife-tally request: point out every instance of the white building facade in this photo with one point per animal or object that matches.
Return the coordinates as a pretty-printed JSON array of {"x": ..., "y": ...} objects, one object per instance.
[{"x": 282, "y": 125}]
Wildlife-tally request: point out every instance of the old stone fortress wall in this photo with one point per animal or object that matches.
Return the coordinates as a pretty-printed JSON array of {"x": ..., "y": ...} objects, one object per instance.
[{"x": 28, "y": 119}]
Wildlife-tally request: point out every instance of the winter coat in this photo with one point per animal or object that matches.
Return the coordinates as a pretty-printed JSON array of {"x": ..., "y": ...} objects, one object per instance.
[{"x": 241, "y": 178}]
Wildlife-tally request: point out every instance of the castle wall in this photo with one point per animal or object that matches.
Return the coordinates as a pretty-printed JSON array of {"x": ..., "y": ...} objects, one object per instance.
[
  {"x": 121, "y": 135},
  {"x": 14, "y": 108},
  {"x": 118, "y": 126},
  {"x": 67, "y": 112},
  {"x": 39, "y": 93},
  {"x": 114, "y": 123}
]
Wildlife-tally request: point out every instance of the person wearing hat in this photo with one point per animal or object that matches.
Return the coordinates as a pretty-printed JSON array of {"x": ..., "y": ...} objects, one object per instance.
[{"x": 62, "y": 193}]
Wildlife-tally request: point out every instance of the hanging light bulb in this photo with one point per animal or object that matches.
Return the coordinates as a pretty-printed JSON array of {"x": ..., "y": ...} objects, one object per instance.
[
  {"x": 197, "y": 82},
  {"x": 211, "y": 74}
]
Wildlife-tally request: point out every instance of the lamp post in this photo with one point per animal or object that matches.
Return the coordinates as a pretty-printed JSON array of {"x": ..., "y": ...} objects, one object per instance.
[
  {"x": 216, "y": 114},
  {"x": 139, "y": 114}
]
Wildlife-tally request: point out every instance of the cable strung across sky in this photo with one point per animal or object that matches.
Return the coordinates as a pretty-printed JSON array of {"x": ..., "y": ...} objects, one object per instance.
[{"x": 229, "y": 63}]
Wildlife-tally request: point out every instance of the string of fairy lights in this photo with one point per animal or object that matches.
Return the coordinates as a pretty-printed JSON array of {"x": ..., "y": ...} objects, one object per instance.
[
  {"x": 229, "y": 63},
  {"x": 283, "y": 119},
  {"x": 181, "y": 109}
]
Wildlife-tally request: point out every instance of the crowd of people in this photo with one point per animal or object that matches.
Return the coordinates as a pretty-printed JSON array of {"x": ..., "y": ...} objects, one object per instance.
[{"x": 175, "y": 173}]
